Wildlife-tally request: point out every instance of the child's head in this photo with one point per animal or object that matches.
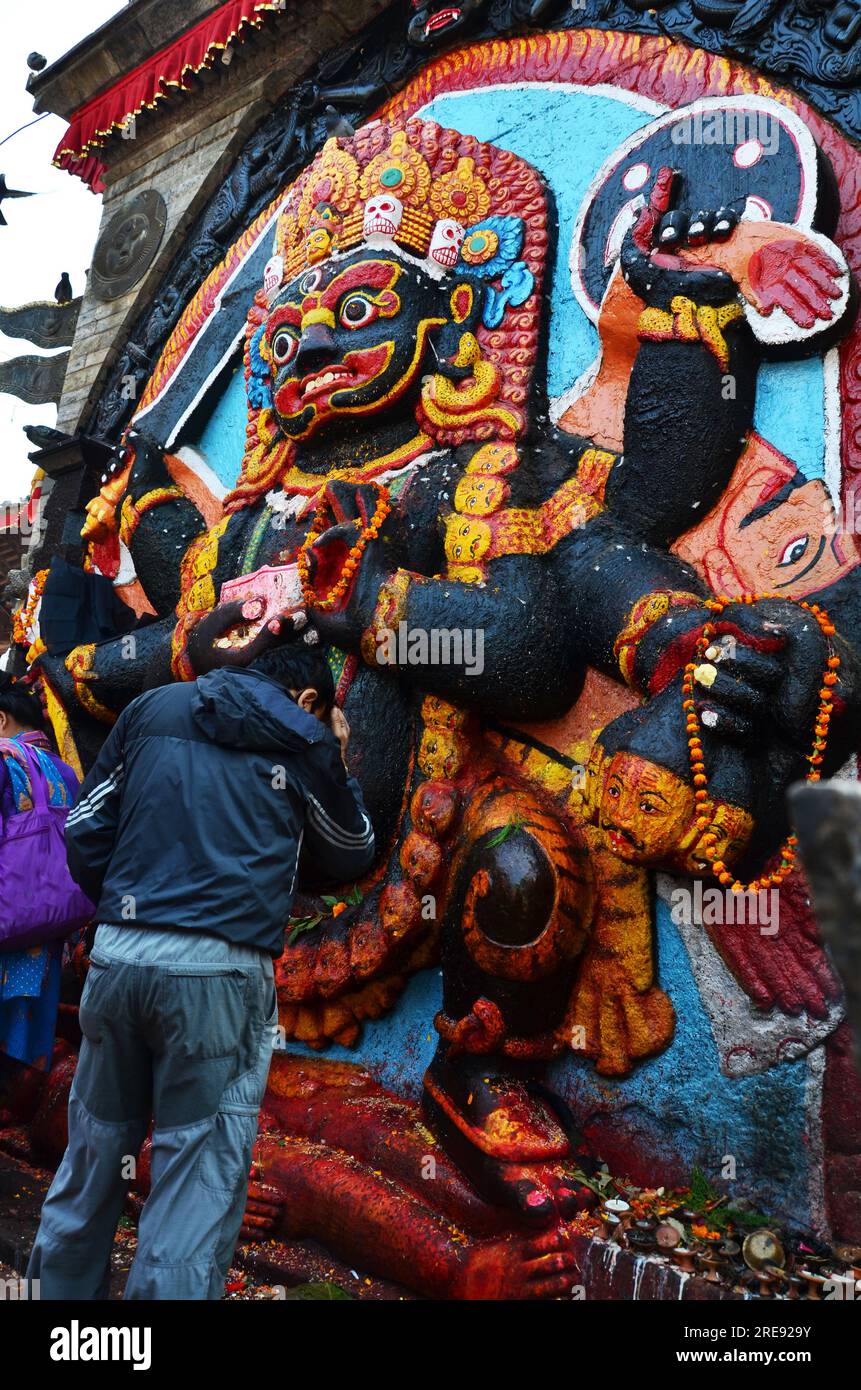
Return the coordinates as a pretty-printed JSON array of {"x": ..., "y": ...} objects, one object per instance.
[
  {"x": 650, "y": 816},
  {"x": 645, "y": 810},
  {"x": 639, "y": 790}
]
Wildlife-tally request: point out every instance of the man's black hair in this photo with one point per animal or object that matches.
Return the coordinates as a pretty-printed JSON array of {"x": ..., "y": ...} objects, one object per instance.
[
  {"x": 297, "y": 666},
  {"x": 20, "y": 704}
]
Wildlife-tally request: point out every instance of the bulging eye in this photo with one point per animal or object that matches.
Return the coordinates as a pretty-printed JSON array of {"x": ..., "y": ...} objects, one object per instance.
[
  {"x": 310, "y": 281},
  {"x": 283, "y": 347},
  {"x": 794, "y": 551},
  {"x": 357, "y": 310}
]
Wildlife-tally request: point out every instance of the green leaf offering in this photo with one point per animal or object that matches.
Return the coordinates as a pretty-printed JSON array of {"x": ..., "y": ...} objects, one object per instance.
[
  {"x": 324, "y": 1290},
  {"x": 503, "y": 833},
  {"x": 303, "y": 924}
]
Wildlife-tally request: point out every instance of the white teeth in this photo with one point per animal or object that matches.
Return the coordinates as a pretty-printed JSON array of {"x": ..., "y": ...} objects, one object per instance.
[{"x": 326, "y": 379}]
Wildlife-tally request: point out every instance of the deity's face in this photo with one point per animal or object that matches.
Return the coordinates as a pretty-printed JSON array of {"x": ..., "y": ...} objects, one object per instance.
[
  {"x": 645, "y": 810},
  {"x": 350, "y": 337}
]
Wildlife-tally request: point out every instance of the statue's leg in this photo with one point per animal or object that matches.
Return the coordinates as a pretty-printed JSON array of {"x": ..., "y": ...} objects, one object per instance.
[
  {"x": 519, "y": 912},
  {"x": 367, "y": 1217}
]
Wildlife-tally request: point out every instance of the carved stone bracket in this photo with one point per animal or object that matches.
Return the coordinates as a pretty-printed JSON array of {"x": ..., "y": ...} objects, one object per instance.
[
  {"x": 37, "y": 380},
  {"x": 45, "y": 323}
]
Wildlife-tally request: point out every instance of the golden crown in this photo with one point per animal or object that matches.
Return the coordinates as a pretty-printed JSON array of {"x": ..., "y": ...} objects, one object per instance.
[{"x": 393, "y": 198}]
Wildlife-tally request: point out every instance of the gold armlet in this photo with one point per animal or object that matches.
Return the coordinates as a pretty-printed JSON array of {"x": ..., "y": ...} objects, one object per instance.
[
  {"x": 132, "y": 511},
  {"x": 80, "y": 666},
  {"x": 644, "y": 614},
  {"x": 687, "y": 322},
  {"x": 390, "y": 610}
]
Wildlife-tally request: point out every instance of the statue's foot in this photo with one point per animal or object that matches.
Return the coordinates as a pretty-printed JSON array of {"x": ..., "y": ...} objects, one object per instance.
[
  {"x": 550, "y": 1191},
  {"x": 262, "y": 1208},
  {"x": 522, "y": 1266},
  {"x": 506, "y": 1139},
  {"x": 302, "y": 1190}
]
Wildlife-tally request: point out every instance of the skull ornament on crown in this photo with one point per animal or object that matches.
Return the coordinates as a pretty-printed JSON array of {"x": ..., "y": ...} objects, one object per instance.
[
  {"x": 382, "y": 215},
  {"x": 446, "y": 241},
  {"x": 272, "y": 276},
  {"x": 411, "y": 187}
]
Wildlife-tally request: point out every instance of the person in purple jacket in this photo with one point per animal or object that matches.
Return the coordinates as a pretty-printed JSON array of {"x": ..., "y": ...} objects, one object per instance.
[{"x": 29, "y": 979}]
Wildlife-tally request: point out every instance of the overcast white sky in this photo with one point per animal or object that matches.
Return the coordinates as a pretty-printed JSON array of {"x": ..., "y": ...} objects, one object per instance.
[{"x": 53, "y": 232}]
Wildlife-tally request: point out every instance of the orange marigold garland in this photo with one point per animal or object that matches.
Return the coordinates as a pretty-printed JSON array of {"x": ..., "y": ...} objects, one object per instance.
[
  {"x": 698, "y": 770},
  {"x": 23, "y": 620},
  {"x": 320, "y": 523}
]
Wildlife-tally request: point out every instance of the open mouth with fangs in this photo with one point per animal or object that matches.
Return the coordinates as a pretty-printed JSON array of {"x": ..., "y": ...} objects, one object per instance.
[
  {"x": 323, "y": 382},
  {"x": 316, "y": 390},
  {"x": 441, "y": 20}
]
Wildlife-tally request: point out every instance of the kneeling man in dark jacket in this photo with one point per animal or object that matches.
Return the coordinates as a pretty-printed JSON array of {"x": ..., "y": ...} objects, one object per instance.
[{"x": 187, "y": 834}]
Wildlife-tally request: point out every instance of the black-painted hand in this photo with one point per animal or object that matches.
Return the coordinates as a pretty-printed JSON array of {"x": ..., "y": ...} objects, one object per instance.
[
  {"x": 205, "y": 649},
  {"x": 650, "y": 257}
]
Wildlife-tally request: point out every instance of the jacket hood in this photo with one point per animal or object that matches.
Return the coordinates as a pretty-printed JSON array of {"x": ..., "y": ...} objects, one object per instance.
[{"x": 245, "y": 709}]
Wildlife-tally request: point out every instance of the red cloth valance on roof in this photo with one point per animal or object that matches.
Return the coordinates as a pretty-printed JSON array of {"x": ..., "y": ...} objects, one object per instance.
[{"x": 145, "y": 86}]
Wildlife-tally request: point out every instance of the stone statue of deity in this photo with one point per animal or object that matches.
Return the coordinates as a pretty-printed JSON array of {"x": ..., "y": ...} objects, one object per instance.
[{"x": 401, "y": 467}]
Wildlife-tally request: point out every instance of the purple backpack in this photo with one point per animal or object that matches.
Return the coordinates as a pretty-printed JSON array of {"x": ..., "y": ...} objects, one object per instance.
[{"x": 39, "y": 900}]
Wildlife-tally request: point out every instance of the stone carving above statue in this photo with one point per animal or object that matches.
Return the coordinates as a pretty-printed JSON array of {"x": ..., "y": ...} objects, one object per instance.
[
  {"x": 45, "y": 323},
  {"x": 816, "y": 41},
  {"x": 128, "y": 245}
]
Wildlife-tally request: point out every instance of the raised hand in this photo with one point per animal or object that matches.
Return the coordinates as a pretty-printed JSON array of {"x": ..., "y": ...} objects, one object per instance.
[
  {"x": 226, "y": 636},
  {"x": 342, "y": 623},
  {"x": 725, "y": 252},
  {"x": 650, "y": 259}
]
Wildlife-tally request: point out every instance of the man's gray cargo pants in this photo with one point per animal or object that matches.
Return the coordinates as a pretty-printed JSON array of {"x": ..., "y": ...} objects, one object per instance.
[{"x": 178, "y": 1030}]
